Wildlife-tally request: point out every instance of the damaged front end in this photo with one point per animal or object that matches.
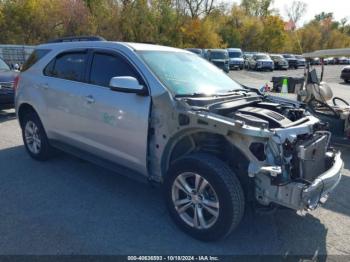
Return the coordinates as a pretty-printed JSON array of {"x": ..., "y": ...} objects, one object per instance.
[
  {"x": 290, "y": 158},
  {"x": 303, "y": 173}
]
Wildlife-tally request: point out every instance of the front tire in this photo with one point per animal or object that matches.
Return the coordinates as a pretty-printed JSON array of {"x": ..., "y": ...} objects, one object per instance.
[
  {"x": 204, "y": 197},
  {"x": 34, "y": 137}
]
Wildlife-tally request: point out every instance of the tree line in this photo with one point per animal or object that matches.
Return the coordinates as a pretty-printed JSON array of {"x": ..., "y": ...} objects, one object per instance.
[{"x": 252, "y": 25}]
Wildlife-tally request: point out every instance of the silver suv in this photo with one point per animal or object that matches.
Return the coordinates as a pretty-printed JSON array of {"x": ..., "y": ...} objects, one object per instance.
[{"x": 171, "y": 117}]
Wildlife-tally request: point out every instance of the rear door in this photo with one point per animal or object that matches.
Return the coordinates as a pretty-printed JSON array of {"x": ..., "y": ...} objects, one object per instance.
[{"x": 115, "y": 123}]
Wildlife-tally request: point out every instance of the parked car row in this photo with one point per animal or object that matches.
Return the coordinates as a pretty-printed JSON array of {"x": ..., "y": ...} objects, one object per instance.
[
  {"x": 331, "y": 61},
  {"x": 336, "y": 60},
  {"x": 258, "y": 61},
  {"x": 236, "y": 59}
]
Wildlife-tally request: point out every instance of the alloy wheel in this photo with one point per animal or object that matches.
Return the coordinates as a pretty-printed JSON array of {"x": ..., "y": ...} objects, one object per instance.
[
  {"x": 32, "y": 137},
  {"x": 195, "y": 200}
]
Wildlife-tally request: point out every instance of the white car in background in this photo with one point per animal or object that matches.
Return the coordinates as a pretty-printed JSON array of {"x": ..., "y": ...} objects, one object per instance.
[{"x": 236, "y": 60}]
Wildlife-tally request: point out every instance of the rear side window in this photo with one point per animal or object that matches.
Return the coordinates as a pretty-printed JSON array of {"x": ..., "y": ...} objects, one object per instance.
[
  {"x": 70, "y": 66},
  {"x": 34, "y": 57},
  {"x": 106, "y": 66}
]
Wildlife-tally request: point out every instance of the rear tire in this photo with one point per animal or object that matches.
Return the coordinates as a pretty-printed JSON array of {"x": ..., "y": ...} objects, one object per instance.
[
  {"x": 35, "y": 138},
  {"x": 204, "y": 197}
]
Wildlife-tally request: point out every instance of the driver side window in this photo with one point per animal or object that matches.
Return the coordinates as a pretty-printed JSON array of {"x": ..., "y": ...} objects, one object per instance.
[{"x": 105, "y": 66}]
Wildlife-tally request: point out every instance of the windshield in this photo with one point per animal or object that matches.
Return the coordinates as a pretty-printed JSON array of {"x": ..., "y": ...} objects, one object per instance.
[
  {"x": 235, "y": 54},
  {"x": 258, "y": 57},
  {"x": 218, "y": 55},
  {"x": 288, "y": 56},
  {"x": 3, "y": 65},
  {"x": 187, "y": 74}
]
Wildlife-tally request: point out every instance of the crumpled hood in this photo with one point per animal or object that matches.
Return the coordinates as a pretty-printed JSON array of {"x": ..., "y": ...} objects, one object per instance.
[{"x": 8, "y": 75}]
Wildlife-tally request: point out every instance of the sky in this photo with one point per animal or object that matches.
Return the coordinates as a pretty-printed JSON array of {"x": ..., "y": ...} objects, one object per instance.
[{"x": 340, "y": 8}]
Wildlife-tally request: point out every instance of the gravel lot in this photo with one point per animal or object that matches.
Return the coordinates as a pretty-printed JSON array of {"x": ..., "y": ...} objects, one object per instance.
[{"x": 68, "y": 206}]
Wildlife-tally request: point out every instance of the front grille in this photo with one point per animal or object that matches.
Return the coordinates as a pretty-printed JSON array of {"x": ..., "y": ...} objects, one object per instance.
[
  {"x": 6, "y": 85},
  {"x": 219, "y": 64}
]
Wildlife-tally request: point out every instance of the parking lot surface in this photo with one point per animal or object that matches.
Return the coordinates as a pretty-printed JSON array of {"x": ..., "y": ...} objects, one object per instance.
[{"x": 69, "y": 206}]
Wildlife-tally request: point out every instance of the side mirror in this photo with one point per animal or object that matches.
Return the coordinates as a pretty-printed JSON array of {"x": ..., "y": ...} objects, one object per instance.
[{"x": 126, "y": 84}]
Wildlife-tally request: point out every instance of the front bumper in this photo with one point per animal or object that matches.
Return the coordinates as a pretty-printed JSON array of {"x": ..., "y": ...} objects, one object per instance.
[
  {"x": 235, "y": 65},
  {"x": 281, "y": 66},
  {"x": 323, "y": 185},
  {"x": 299, "y": 195},
  {"x": 265, "y": 66}
]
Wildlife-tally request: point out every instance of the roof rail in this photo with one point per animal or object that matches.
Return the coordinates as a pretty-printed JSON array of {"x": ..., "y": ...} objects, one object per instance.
[{"x": 76, "y": 39}]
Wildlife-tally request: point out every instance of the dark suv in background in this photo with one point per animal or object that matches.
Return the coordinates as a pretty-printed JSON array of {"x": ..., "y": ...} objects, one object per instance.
[
  {"x": 7, "y": 80},
  {"x": 279, "y": 61},
  {"x": 345, "y": 74},
  {"x": 292, "y": 60}
]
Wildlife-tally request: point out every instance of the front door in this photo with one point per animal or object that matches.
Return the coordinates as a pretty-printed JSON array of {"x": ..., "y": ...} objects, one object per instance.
[{"x": 115, "y": 123}]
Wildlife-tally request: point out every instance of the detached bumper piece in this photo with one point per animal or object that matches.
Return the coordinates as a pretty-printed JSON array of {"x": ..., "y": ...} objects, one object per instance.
[
  {"x": 299, "y": 195},
  {"x": 323, "y": 185}
]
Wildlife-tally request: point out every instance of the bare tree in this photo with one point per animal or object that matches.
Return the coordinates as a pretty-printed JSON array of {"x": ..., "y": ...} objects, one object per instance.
[
  {"x": 197, "y": 8},
  {"x": 296, "y": 11}
]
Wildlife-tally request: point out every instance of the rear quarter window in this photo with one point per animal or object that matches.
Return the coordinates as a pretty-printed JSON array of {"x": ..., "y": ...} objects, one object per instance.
[
  {"x": 70, "y": 66},
  {"x": 34, "y": 57}
]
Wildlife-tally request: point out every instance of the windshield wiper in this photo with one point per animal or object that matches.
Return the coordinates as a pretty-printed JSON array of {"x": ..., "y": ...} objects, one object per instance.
[
  {"x": 228, "y": 93},
  {"x": 195, "y": 95}
]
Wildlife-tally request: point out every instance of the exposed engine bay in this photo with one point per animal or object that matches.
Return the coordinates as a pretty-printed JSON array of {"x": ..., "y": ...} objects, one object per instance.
[{"x": 288, "y": 149}]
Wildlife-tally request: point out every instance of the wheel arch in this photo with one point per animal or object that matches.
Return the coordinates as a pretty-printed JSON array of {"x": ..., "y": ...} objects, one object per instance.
[
  {"x": 202, "y": 140},
  {"x": 24, "y": 109}
]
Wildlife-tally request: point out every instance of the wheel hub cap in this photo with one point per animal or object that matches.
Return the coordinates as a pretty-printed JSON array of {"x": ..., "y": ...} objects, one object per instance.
[
  {"x": 32, "y": 138},
  {"x": 195, "y": 200}
]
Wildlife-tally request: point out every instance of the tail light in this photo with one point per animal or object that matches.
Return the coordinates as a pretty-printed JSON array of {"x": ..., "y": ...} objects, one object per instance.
[{"x": 15, "y": 83}]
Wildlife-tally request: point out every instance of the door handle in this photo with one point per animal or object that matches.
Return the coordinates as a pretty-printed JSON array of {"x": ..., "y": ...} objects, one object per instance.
[
  {"x": 45, "y": 86},
  {"x": 90, "y": 99}
]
